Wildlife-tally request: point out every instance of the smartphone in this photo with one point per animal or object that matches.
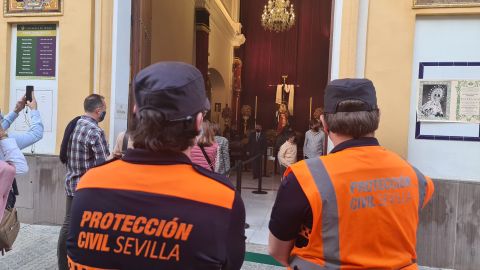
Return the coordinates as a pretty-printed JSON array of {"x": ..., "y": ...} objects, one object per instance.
[{"x": 29, "y": 93}]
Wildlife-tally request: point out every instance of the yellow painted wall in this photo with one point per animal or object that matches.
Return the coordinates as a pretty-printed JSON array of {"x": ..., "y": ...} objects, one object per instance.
[
  {"x": 221, "y": 59},
  {"x": 173, "y": 31},
  {"x": 76, "y": 71},
  {"x": 389, "y": 56}
]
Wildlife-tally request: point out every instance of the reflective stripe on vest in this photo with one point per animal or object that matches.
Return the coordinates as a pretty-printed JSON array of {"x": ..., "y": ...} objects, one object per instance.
[
  {"x": 330, "y": 238},
  {"x": 422, "y": 187},
  {"x": 298, "y": 263}
]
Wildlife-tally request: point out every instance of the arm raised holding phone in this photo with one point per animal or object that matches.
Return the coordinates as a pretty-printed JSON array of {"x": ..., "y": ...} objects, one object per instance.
[{"x": 35, "y": 131}]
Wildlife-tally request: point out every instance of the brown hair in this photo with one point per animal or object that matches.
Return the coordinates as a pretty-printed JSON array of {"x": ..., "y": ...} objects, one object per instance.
[
  {"x": 92, "y": 102},
  {"x": 154, "y": 134},
  {"x": 216, "y": 129},
  {"x": 350, "y": 122},
  {"x": 207, "y": 137}
]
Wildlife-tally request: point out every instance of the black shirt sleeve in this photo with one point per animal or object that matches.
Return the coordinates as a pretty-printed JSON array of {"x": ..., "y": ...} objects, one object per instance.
[
  {"x": 236, "y": 236},
  {"x": 290, "y": 210}
]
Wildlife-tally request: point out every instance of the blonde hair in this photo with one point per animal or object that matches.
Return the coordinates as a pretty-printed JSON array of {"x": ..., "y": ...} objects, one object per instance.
[{"x": 208, "y": 135}]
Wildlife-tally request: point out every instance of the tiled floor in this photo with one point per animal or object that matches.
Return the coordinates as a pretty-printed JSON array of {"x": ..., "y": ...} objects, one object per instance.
[{"x": 258, "y": 206}]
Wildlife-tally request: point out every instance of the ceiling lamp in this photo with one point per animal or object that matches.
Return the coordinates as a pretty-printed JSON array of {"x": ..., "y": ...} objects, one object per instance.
[{"x": 278, "y": 15}]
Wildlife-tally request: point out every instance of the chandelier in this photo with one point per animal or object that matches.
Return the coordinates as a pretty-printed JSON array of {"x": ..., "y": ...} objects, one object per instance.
[{"x": 278, "y": 15}]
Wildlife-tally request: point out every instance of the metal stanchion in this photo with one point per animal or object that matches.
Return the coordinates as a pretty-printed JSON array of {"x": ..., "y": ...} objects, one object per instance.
[
  {"x": 238, "y": 167},
  {"x": 259, "y": 189}
]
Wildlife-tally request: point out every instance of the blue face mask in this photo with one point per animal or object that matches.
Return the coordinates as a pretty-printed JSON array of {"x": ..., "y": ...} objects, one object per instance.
[{"x": 102, "y": 116}]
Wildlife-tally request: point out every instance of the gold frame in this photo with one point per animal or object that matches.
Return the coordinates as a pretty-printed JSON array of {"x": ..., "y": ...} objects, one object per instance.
[
  {"x": 452, "y": 5},
  {"x": 7, "y": 13}
]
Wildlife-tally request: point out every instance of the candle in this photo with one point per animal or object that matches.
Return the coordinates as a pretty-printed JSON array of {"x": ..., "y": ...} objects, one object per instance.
[
  {"x": 255, "y": 108},
  {"x": 310, "y": 115}
]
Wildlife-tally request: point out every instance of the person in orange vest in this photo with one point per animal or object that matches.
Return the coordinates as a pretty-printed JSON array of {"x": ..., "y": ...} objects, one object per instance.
[
  {"x": 154, "y": 208},
  {"x": 355, "y": 208}
]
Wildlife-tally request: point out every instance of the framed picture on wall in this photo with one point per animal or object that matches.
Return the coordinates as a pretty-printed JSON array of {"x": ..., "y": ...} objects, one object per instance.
[
  {"x": 434, "y": 101},
  {"x": 445, "y": 3},
  {"x": 32, "y": 7},
  {"x": 218, "y": 107}
]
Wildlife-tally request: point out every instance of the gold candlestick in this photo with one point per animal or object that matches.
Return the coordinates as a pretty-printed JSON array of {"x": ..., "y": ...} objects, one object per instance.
[
  {"x": 256, "y": 99},
  {"x": 310, "y": 114}
]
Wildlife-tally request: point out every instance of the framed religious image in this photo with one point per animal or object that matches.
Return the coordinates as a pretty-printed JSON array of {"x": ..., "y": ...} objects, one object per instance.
[
  {"x": 434, "y": 99},
  {"x": 445, "y": 3},
  {"x": 32, "y": 7},
  {"x": 218, "y": 107}
]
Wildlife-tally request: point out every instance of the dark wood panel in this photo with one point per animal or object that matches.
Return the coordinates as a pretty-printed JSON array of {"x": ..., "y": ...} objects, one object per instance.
[
  {"x": 436, "y": 234},
  {"x": 467, "y": 252}
]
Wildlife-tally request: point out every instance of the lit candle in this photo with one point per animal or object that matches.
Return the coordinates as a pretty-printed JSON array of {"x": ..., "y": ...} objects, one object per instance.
[{"x": 310, "y": 115}]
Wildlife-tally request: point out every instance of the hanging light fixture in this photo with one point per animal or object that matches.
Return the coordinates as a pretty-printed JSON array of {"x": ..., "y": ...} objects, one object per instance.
[{"x": 278, "y": 15}]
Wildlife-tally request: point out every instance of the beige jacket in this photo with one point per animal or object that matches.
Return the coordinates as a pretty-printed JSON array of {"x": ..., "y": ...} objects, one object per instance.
[
  {"x": 287, "y": 155},
  {"x": 117, "y": 150}
]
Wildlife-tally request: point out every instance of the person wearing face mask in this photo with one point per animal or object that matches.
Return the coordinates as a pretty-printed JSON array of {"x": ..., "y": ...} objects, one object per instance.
[
  {"x": 314, "y": 140},
  {"x": 87, "y": 148},
  {"x": 257, "y": 144}
]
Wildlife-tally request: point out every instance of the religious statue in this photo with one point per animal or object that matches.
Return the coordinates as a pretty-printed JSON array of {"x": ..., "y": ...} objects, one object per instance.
[
  {"x": 246, "y": 114},
  {"x": 282, "y": 115},
  {"x": 226, "y": 114},
  {"x": 285, "y": 94}
]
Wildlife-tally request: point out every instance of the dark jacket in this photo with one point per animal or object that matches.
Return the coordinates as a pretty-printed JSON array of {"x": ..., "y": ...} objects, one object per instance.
[
  {"x": 66, "y": 138},
  {"x": 255, "y": 146}
]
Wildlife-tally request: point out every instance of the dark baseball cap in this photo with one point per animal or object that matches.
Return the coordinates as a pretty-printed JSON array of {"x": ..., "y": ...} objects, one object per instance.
[
  {"x": 175, "y": 89},
  {"x": 350, "y": 89}
]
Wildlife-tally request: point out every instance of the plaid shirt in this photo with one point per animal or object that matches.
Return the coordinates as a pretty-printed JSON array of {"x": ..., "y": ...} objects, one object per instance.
[{"x": 86, "y": 149}]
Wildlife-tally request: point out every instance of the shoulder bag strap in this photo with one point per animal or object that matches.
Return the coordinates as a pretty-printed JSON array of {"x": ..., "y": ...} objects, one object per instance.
[{"x": 207, "y": 158}]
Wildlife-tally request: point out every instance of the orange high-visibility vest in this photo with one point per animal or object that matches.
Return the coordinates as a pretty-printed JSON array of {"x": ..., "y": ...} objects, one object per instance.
[
  {"x": 365, "y": 203},
  {"x": 121, "y": 214}
]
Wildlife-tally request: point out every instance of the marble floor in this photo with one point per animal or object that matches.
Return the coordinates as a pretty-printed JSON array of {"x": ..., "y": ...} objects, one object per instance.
[{"x": 258, "y": 206}]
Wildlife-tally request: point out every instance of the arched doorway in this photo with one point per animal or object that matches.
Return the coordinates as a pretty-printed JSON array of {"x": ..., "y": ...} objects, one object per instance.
[{"x": 218, "y": 96}]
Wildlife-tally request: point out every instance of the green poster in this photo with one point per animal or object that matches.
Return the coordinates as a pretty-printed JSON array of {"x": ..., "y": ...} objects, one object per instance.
[{"x": 26, "y": 56}]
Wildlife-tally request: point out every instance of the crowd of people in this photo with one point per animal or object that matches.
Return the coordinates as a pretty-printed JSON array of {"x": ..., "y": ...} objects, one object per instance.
[{"x": 163, "y": 200}]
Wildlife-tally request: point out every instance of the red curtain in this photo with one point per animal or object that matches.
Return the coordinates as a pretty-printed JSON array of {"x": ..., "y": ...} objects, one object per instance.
[{"x": 302, "y": 53}]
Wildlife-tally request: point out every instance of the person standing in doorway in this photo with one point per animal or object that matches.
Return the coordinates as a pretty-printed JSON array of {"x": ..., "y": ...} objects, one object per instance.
[
  {"x": 287, "y": 155},
  {"x": 257, "y": 145},
  {"x": 314, "y": 140},
  {"x": 222, "y": 164},
  {"x": 87, "y": 148},
  {"x": 204, "y": 153}
]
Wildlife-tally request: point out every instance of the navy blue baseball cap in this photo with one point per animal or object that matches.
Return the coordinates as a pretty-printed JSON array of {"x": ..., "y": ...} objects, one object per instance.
[
  {"x": 175, "y": 89},
  {"x": 350, "y": 89}
]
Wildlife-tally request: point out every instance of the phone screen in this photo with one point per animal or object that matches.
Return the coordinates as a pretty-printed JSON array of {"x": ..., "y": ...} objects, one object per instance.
[{"x": 29, "y": 93}]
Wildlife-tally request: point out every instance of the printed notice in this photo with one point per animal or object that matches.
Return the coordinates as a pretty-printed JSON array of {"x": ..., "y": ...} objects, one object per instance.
[
  {"x": 468, "y": 101},
  {"x": 36, "y": 51},
  {"x": 449, "y": 101}
]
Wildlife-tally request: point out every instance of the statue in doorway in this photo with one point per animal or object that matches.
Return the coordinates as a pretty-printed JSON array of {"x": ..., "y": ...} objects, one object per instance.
[{"x": 281, "y": 117}]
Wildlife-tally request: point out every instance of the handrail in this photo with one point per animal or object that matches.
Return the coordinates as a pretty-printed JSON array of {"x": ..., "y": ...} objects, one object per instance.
[
  {"x": 244, "y": 163},
  {"x": 238, "y": 168}
]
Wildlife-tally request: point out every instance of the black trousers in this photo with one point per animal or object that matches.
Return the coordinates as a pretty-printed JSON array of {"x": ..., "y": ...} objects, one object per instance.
[
  {"x": 62, "y": 238},
  {"x": 257, "y": 167}
]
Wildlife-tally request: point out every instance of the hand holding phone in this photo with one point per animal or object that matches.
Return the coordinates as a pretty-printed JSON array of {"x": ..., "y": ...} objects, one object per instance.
[
  {"x": 32, "y": 104},
  {"x": 29, "y": 93}
]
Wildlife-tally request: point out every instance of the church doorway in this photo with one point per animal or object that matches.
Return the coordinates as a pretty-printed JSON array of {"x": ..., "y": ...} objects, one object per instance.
[{"x": 298, "y": 58}]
